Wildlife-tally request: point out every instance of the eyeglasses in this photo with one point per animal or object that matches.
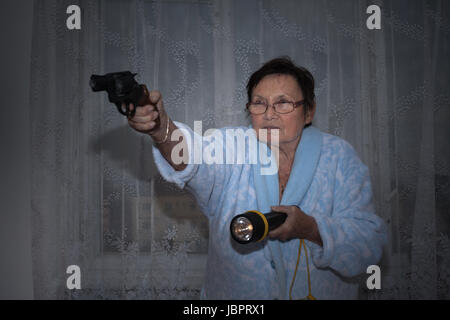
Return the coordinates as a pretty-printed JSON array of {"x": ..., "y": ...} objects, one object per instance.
[{"x": 282, "y": 107}]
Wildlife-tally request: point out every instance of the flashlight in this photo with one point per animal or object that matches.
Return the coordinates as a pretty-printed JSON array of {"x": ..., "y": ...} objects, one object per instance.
[{"x": 254, "y": 226}]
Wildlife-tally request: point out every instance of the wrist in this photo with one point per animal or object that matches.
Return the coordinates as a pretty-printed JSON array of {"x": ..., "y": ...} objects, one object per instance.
[
  {"x": 314, "y": 234},
  {"x": 161, "y": 135}
]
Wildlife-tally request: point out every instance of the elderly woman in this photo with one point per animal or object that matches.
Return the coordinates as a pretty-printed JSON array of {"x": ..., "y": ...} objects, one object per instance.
[{"x": 320, "y": 184}]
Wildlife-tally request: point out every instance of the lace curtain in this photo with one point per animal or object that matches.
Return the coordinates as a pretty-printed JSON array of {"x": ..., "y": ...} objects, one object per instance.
[{"x": 97, "y": 199}]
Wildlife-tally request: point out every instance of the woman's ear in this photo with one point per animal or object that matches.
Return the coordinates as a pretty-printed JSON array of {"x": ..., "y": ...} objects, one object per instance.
[{"x": 310, "y": 114}]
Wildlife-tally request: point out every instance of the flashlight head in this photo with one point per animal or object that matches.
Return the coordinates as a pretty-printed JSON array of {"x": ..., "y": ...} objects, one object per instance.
[
  {"x": 248, "y": 227},
  {"x": 242, "y": 229}
]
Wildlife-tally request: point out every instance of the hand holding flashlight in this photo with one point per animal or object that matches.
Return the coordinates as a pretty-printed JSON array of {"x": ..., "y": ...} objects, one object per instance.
[
  {"x": 298, "y": 225},
  {"x": 283, "y": 223}
]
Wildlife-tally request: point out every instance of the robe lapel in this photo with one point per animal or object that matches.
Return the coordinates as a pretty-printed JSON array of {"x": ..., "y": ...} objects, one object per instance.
[{"x": 267, "y": 189}]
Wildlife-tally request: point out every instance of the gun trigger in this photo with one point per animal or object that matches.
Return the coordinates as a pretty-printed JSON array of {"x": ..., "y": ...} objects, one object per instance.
[
  {"x": 119, "y": 108},
  {"x": 130, "y": 113}
]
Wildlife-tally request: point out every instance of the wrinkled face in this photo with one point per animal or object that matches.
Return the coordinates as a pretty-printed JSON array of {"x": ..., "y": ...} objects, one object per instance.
[{"x": 275, "y": 88}]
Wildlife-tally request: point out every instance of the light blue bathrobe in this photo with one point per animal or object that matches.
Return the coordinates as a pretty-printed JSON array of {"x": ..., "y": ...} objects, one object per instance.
[{"x": 328, "y": 181}]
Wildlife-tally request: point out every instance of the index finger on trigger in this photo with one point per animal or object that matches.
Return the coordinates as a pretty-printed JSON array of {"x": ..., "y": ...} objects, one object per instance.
[{"x": 144, "y": 110}]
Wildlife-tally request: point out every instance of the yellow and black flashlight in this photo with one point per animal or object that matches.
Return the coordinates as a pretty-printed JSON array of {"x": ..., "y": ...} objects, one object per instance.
[{"x": 254, "y": 226}]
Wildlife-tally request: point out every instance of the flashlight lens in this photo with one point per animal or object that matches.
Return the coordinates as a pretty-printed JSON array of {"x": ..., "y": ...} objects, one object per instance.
[{"x": 242, "y": 229}]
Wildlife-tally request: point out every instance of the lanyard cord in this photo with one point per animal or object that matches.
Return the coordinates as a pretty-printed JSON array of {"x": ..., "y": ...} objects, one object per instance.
[{"x": 309, "y": 296}]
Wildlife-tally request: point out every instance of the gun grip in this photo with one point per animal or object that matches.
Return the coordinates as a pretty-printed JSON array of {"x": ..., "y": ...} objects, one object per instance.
[{"x": 145, "y": 97}]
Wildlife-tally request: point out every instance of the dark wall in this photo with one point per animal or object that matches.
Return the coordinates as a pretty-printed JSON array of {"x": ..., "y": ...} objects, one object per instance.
[{"x": 15, "y": 212}]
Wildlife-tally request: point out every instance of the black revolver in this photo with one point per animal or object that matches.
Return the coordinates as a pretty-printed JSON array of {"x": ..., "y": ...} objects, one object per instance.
[{"x": 122, "y": 90}]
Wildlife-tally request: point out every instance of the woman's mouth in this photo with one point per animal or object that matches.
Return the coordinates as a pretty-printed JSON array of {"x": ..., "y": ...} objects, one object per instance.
[{"x": 271, "y": 128}]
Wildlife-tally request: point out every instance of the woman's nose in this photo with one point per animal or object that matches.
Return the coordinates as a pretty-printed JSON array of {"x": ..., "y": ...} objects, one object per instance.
[{"x": 270, "y": 113}]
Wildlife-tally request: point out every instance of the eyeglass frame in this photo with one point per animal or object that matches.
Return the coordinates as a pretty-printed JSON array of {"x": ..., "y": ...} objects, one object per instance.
[{"x": 294, "y": 105}]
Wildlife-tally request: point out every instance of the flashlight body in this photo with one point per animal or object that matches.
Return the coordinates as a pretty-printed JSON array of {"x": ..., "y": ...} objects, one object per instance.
[
  {"x": 275, "y": 219},
  {"x": 260, "y": 225}
]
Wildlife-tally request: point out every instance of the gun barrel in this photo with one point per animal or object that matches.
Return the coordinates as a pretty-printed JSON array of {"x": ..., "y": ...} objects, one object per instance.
[{"x": 99, "y": 83}]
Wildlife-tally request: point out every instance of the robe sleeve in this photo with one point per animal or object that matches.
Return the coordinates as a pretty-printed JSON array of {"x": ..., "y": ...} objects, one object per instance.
[
  {"x": 205, "y": 181},
  {"x": 353, "y": 236}
]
